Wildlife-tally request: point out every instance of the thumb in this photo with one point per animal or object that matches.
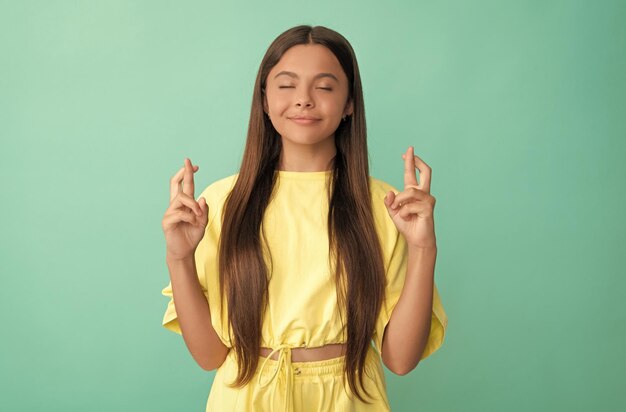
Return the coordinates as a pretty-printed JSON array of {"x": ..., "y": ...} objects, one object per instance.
[
  {"x": 205, "y": 207},
  {"x": 388, "y": 199}
]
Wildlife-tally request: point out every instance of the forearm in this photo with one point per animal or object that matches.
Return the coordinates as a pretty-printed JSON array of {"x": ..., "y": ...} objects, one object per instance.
[
  {"x": 407, "y": 332},
  {"x": 194, "y": 315}
]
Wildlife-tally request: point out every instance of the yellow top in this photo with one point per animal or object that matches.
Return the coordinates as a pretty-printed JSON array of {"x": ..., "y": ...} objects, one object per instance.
[{"x": 302, "y": 309}]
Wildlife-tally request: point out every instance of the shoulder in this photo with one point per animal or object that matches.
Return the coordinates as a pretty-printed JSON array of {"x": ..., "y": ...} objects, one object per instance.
[
  {"x": 386, "y": 228},
  {"x": 219, "y": 188},
  {"x": 379, "y": 188},
  {"x": 215, "y": 194},
  {"x": 393, "y": 244}
]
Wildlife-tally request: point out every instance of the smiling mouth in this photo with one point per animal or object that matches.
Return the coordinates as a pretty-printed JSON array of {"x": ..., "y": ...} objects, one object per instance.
[{"x": 304, "y": 121}]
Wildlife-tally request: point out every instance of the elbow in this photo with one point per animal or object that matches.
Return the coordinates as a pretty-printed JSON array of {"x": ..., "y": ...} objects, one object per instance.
[
  {"x": 212, "y": 363},
  {"x": 399, "y": 367},
  {"x": 401, "y": 370},
  {"x": 207, "y": 366}
]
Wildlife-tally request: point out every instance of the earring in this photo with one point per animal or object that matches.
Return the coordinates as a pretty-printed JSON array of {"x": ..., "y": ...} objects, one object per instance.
[{"x": 344, "y": 118}]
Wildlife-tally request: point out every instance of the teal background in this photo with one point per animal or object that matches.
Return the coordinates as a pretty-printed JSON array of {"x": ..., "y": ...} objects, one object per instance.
[{"x": 518, "y": 107}]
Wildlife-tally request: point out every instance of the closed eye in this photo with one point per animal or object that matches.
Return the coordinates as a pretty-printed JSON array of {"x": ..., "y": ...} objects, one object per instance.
[{"x": 291, "y": 87}]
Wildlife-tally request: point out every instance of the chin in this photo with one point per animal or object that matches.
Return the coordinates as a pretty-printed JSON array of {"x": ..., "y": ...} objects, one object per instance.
[{"x": 302, "y": 140}]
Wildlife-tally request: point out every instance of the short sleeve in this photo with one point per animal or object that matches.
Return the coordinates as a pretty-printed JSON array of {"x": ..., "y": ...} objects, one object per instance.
[
  {"x": 205, "y": 258},
  {"x": 396, "y": 254}
]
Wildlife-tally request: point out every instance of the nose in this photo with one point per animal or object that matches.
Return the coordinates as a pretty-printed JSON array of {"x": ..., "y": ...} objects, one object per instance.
[{"x": 304, "y": 99}]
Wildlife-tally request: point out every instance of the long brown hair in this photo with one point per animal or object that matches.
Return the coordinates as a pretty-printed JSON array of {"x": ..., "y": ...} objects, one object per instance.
[{"x": 354, "y": 248}]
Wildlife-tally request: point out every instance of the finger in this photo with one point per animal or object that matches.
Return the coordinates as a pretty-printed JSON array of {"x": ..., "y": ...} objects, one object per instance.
[
  {"x": 389, "y": 198},
  {"x": 202, "y": 202},
  {"x": 188, "y": 185},
  {"x": 178, "y": 216},
  {"x": 182, "y": 199},
  {"x": 407, "y": 211},
  {"x": 409, "y": 169},
  {"x": 175, "y": 182},
  {"x": 410, "y": 195},
  {"x": 425, "y": 173},
  {"x": 205, "y": 208}
]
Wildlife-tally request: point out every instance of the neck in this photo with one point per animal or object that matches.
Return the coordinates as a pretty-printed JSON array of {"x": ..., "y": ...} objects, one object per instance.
[{"x": 318, "y": 157}]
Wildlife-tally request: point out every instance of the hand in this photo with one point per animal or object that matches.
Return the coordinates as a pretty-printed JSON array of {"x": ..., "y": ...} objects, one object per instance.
[
  {"x": 185, "y": 219},
  {"x": 412, "y": 209}
]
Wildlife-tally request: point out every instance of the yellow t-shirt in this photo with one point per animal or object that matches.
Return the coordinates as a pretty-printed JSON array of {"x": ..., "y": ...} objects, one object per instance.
[{"x": 302, "y": 308}]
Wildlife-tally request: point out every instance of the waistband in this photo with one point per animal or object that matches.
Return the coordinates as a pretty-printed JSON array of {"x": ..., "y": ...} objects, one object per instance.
[{"x": 294, "y": 370}]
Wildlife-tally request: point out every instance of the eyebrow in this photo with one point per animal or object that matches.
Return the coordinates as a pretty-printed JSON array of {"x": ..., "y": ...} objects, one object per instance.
[{"x": 317, "y": 76}]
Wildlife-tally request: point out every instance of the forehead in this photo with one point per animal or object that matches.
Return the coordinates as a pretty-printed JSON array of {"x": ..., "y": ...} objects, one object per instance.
[{"x": 307, "y": 60}]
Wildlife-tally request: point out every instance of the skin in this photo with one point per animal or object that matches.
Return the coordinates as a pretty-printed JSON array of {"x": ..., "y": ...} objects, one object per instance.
[
  {"x": 185, "y": 219},
  {"x": 411, "y": 210},
  {"x": 307, "y": 148},
  {"x": 183, "y": 224}
]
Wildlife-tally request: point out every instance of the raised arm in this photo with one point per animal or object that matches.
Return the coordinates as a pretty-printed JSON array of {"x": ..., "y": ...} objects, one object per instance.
[
  {"x": 194, "y": 316},
  {"x": 184, "y": 225}
]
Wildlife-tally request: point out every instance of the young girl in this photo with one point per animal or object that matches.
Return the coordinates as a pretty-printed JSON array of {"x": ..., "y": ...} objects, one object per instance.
[{"x": 284, "y": 274}]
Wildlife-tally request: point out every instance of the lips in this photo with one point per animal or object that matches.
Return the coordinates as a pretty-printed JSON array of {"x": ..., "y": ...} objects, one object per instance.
[
  {"x": 304, "y": 118},
  {"x": 304, "y": 122}
]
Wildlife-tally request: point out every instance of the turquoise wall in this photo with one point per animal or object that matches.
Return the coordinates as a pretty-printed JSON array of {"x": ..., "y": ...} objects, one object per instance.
[{"x": 518, "y": 107}]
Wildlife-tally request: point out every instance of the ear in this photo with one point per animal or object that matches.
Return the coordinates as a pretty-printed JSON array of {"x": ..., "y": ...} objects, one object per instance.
[
  {"x": 349, "y": 107},
  {"x": 265, "y": 106}
]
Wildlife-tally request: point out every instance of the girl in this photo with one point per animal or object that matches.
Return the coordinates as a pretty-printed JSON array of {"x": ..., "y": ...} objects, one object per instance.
[{"x": 282, "y": 275}]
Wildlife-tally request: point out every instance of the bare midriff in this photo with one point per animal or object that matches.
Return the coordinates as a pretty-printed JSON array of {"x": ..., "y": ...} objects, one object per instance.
[{"x": 329, "y": 351}]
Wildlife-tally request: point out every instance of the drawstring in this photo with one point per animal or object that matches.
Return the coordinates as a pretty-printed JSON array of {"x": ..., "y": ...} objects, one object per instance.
[{"x": 284, "y": 358}]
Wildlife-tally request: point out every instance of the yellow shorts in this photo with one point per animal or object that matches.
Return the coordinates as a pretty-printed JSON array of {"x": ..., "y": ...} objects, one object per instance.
[{"x": 282, "y": 385}]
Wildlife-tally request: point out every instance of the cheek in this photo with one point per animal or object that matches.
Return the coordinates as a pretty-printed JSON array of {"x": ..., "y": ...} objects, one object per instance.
[
  {"x": 332, "y": 107},
  {"x": 272, "y": 97},
  {"x": 278, "y": 105}
]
